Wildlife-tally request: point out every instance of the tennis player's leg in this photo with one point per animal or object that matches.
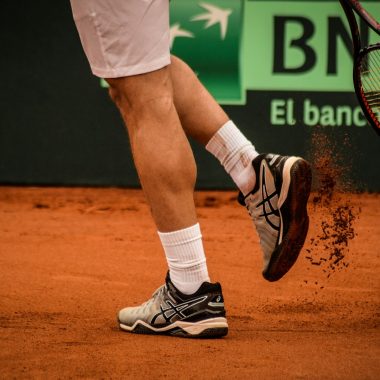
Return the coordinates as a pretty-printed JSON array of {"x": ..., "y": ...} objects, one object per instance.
[
  {"x": 204, "y": 120},
  {"x": 167, "y": 172},
  {"x": 274, "y": 188},
  {"x": 161, "y": 151},
  {"x": 129, "y": 45}
]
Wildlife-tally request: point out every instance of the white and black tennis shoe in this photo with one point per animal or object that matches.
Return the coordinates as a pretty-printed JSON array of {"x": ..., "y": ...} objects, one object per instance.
[
  {"x": 169, "y": 312},
  {"x": 278, "y": 208}
]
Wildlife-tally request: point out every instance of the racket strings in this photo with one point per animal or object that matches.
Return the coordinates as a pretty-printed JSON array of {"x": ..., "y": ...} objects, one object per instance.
[{"x": 370, "y": 81}]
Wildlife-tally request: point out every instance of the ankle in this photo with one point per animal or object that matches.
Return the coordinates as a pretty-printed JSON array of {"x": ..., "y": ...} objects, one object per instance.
[
  {"x": 236, "y": 154},
  {"x": 186, "y": 259}
]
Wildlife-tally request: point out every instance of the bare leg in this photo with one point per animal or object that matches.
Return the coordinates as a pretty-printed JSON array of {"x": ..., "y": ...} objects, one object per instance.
[
  {"x": 161, "y": 151},
  {"x": 203, "y": 119},
  {"x": 201, "y": 116}
]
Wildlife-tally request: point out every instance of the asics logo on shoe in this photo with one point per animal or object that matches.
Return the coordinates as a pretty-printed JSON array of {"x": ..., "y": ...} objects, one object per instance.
[
  {"x": 268, "y": 195},
  {"x": 170, "y": 310}
]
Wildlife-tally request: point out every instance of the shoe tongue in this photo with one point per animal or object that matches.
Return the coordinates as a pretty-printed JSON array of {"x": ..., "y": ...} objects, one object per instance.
[
  {"x": 241, "y": 198},
  {"x": 169, "y": 283},
  {"x": 167, "y": 278}
]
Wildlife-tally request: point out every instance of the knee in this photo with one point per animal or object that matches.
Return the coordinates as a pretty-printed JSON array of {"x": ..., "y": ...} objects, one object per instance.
[
  {"x": 151, "y": 92},
  {"x": 179, "y": 66},
  {"x": 115, "y": 91}
]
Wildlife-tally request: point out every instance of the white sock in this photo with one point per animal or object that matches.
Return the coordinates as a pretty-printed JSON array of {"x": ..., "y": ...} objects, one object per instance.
[
  {"x": 235, "y": 153},
  {"x": 186, "y": 258}
]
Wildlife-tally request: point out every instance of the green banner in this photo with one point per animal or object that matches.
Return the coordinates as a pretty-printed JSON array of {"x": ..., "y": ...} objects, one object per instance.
[
  {"x": 302, "y": 46},
  {"x": 207, "y": 35},
  {"x": 236, "y": 46},
  {"x": 63, "y": 129}
]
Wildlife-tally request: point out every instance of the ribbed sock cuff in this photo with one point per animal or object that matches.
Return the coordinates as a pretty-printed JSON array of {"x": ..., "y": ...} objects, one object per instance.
[
  {"x": 186, "y": 259},
  {"x": 235, "y": 152}
]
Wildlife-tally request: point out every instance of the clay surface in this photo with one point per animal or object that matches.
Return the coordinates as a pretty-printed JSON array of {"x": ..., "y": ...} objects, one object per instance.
[{"x": 71, "y": 257}]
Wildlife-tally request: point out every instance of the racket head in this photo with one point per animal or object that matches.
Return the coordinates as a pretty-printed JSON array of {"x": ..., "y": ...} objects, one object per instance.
[{"x": 367, "y": 83}]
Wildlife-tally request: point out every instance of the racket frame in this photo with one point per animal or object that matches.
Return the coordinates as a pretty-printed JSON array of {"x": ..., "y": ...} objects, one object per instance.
[
  {"x": 371, "y": 22},
  {"x": 360, "y": 53}
]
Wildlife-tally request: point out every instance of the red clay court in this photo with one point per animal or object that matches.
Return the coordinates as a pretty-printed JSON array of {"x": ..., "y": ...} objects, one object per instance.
[{"x": 71, "y": 257}]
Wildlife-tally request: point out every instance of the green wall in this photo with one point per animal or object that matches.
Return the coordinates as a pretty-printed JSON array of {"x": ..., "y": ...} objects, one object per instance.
[{"x": 281, "y": 69}]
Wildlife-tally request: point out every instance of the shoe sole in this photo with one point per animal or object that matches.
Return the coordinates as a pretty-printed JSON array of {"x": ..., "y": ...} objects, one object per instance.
[
  {"x": 286, "y": 254},
  {"x": 208, "y": 328}
]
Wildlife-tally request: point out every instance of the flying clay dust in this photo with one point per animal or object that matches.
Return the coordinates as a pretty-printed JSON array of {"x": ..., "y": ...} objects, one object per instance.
[{"x": 329, "y": 241}]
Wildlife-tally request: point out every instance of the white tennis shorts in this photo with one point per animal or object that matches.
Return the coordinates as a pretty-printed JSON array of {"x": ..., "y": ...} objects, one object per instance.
[{"x": 123, "y": 37}]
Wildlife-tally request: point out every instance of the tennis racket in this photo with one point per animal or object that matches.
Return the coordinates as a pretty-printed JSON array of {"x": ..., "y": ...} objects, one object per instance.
[{"x": 366, "y": 73}]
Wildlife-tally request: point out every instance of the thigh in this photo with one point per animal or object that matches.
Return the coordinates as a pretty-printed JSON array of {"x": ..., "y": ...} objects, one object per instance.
[{"x": 123, "y": 37}]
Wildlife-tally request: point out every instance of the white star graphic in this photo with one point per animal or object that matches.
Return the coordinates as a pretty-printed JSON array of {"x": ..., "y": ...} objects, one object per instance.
[
  {"x": 176, "y": 31},
  {"x": 214, "y": 16}
]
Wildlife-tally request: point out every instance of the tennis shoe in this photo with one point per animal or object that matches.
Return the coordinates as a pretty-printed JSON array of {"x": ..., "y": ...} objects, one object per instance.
[
  {"x": 170, "y": 312},
  {"x": 278, "y": 208}
]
